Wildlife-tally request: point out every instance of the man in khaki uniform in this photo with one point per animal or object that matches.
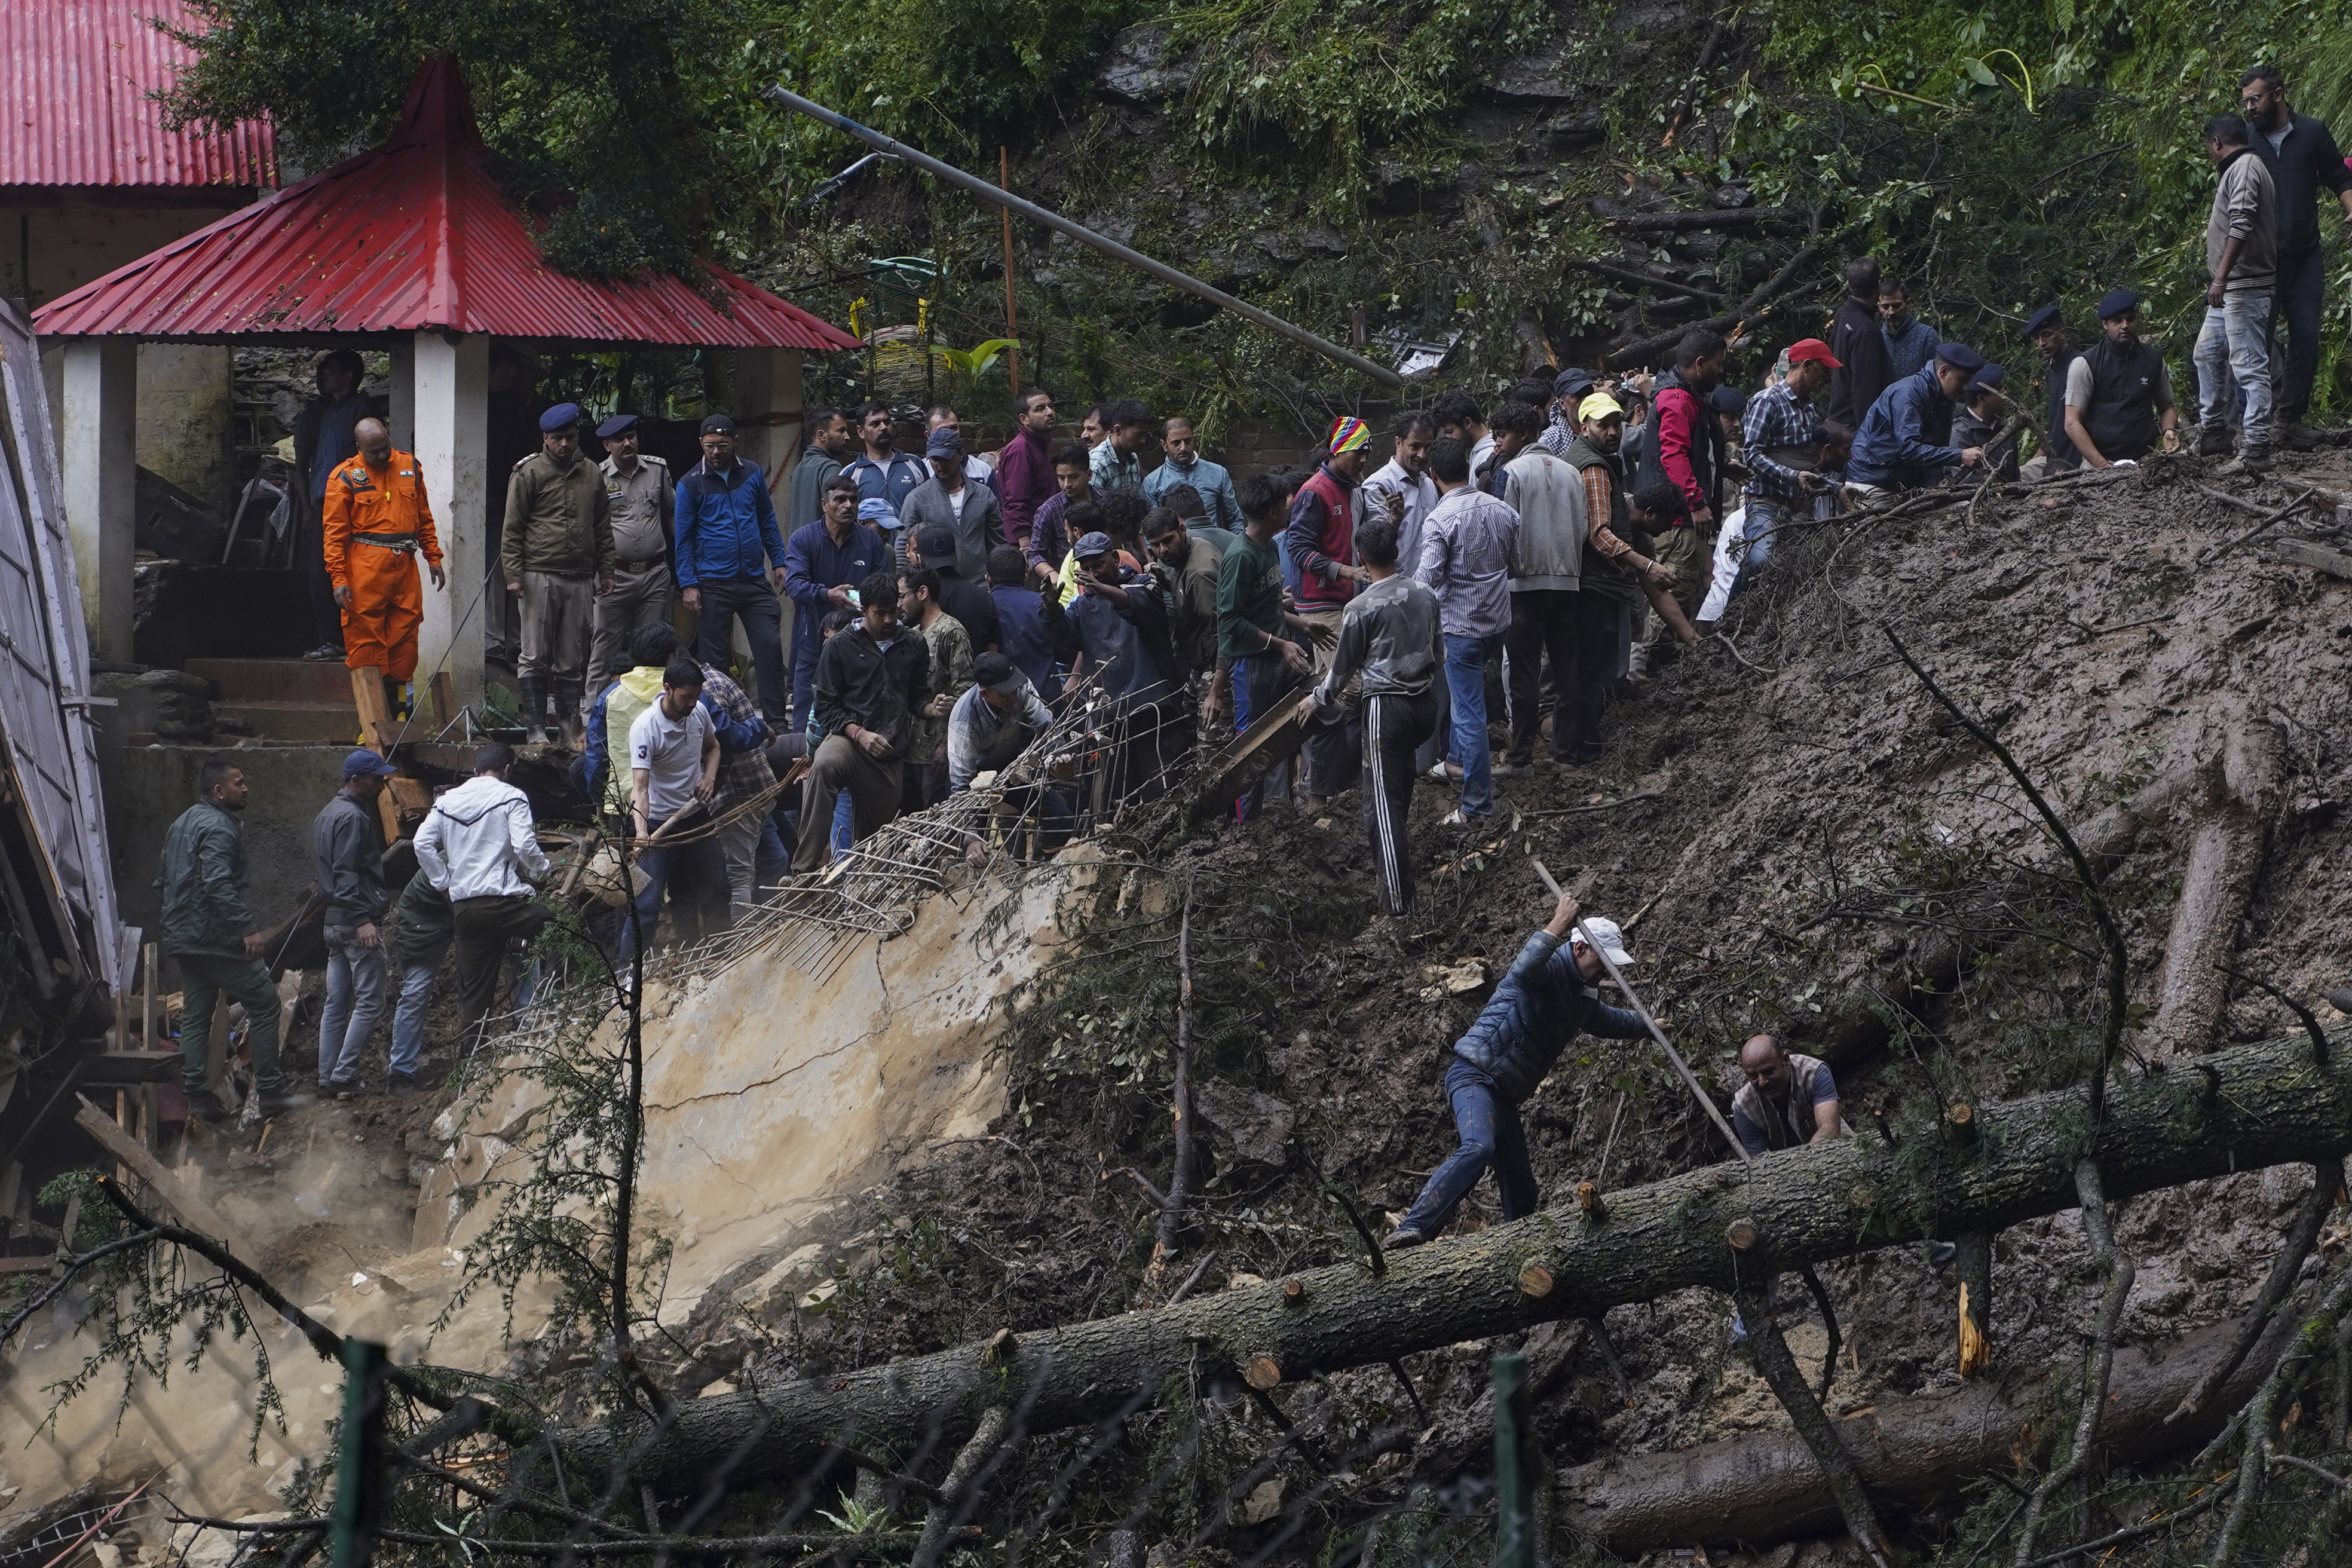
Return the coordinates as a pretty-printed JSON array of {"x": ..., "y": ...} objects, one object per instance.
[
  {"x": 638, "y": 490},
  {"x": 556, "y": 555}
]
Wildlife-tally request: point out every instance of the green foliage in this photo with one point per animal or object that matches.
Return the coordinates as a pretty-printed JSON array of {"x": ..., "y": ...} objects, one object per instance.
[
  {"x": 1338, "y": 80},
  {"x": 607, "y": 120},
  {"x": 954, "y": 79}
]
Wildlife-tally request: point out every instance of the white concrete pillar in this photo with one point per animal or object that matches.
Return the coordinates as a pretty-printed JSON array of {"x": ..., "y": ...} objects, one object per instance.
[
  {"x": 97, "y": 452},
  {"x": 451, "y": 415},
  {"x": 404, "y": 396},
  {"x": 768, "y": 381}
]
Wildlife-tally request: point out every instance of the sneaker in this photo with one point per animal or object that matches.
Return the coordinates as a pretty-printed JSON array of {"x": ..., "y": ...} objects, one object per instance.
[
  {"x": 2213, "y": 440},
  {"x": 276, "y": 1102},
  {"x": 1403, "y": 1236},
  {"x": 1513, "y": 767},
  {"x": 1437, "y": 771},
  {"x": 1455, "y": 818},
  {"x": 339, "y": 1086},
  {"x": 2256, "y": 461},
  {"x": 401, "y": 1085},
  {"x": 2297, "y": 437}
]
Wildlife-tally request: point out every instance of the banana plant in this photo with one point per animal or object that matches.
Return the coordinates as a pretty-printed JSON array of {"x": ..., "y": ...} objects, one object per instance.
[{"x": 977, "y": 358}]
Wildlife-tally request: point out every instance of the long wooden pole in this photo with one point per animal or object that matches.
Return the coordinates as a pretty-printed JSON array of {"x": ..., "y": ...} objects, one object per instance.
[
  {"x": 1690, "y": 1080},
  {"x": 978, "y": 186},
  {"x": 1012, "y": 319}
]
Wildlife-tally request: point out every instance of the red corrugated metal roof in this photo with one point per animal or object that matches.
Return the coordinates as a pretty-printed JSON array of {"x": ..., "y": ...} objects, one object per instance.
[
  {"x": 78, "y": 80},
  {"x": 413, "y": 234}
]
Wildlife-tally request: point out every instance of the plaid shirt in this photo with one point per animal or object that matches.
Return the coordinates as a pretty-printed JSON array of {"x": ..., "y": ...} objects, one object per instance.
[
  {"x": 744, "y": 770},
  {"x": 1775, "y": 419}
]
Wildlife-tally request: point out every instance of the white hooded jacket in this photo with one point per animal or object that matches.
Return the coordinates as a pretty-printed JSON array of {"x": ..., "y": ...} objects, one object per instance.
[{"x": 480, "y": 842}]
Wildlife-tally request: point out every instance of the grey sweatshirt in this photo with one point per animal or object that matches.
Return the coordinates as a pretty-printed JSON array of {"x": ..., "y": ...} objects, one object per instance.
[
  {"x": 1389, "y": 632},
  {"x": 2245, "y": 206}
]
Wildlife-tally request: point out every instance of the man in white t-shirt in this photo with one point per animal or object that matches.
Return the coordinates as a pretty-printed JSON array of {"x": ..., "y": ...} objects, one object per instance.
[{"x": 673, "y": 772}]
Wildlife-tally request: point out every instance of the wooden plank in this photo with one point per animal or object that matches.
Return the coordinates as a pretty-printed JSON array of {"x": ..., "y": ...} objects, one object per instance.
[
  {"x": 414, "y": 796},
  {"x": 445, "y": 700},
  {"x": 1273, "y": 738},
  {"x": 112, "y": 1068},
  {"x": 26, "y": 1265},
  {"x": 2302, "y": 553},
  {"x": 192, "y": 1210}
]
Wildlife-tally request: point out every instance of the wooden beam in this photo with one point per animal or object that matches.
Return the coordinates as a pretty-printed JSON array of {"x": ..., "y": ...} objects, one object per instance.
[
  {"x": 2301, "y": 553},
  {"x": 1273, "y": 738},
  {"x": 173, "y": 1192}
]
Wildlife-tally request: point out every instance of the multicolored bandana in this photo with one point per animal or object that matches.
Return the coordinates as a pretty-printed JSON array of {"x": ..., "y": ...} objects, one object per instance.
[{"x": 1348, "y": 434}]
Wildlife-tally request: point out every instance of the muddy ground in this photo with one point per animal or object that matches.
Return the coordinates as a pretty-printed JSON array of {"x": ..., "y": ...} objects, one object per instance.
[{"x": 1785, "y": 829}]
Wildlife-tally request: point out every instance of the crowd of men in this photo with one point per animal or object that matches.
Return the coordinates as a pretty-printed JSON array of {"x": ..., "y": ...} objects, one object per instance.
[{"x": 1471, "y": 569}]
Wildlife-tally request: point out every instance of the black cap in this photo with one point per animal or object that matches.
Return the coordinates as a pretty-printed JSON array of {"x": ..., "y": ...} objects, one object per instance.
[
  {"x": 2048, "y": 316},
  {"x": 936, "y": 542},
  {"x": 996, "y": 673},
  {"x": 2117, "y": 302},
  {"x": 718, "y": 424}
]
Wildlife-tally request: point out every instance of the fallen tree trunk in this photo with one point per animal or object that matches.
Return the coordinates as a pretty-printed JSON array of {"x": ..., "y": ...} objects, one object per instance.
[
  {"x": 1766, "y": 1486},
  {"x": 2242, "y": 797},
  {"x": 2234, "y": 1110}
]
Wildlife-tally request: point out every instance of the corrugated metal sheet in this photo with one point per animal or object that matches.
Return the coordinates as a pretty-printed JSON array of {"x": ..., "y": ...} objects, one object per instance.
[
  {"x": 59, "y": 881},
  {"x": 413, "y": 234},
  {"x": 78, "y": 80}
]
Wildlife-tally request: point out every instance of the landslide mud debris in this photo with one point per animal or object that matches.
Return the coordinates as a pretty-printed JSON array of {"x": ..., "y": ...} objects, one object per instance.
[{"x": 1803, "y": 826}]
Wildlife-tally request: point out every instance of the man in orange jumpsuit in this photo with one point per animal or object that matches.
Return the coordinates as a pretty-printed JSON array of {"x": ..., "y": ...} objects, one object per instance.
[{"x": 375, "y": 519}]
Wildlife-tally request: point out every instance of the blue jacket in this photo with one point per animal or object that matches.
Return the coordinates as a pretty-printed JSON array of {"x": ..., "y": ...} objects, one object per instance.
[
  {"x": 1541, "y": 1004},
  {"x": 812, "y": 563},
  {"x": 895, "y": 484},
  {"x": 1901, "y": 441},
  {"x": 1033, "y": 635},
  {"x": 733, "y": 736},
  {"x": 726, "y": 524}
]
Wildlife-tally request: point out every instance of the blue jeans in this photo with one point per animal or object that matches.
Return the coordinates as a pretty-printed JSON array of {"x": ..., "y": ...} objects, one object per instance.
[
  {"x": 1465, "y": 679},
  {"x": 692, "y": 872},
  {"x": 1765, "y": 518},
  {"x": 354, "y": 1002},
  {"x": 2235, "y": 343},
  {"x": 1491, "y": 1135},
  {"x": 408, "y": 1016}
]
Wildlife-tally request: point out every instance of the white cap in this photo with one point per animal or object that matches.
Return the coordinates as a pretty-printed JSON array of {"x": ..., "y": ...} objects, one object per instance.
[{"x": 1609, "y": 939}]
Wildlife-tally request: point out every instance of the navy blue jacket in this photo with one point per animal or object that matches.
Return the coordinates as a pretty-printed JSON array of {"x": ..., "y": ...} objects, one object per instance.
[
  {"x": 894, "y": 484},
  {"x": 726, "y": 524},
  {"x": 1542, "y": 1004},
  {"x": 812, "y": 563},
  {"x": 1034, "y": 635},
  {"x": 1903, "y": 439}
]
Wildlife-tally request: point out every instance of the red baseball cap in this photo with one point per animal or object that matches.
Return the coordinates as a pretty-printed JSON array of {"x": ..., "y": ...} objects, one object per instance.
[{"x": 1805, "y": 348}]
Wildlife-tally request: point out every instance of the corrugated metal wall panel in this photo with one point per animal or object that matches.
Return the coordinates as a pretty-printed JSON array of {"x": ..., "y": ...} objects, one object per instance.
[{"x": 79, "y": 80}]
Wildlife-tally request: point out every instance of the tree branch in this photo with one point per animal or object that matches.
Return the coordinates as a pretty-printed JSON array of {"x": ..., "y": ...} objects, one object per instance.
[
  {"x": 2301, "y": 1237},
  {"x": 2101, "y": 1361},
  {"x": 2117, "y": 965},
  {"x": 1786, "y": 1381}
]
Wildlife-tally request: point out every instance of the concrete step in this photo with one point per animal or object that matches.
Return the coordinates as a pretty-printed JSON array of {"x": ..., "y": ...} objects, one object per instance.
[
  {"x": 306, "y": 723},
  {"x": 276, "y": 680}
]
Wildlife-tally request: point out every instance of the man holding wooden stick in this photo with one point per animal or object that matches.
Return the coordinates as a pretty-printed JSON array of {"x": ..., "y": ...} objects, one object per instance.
[{"x": 1549, "y": 998}]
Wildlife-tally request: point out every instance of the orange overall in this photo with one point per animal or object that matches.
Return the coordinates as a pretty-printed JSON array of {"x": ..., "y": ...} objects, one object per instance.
[{"x": 377, "y": 522}]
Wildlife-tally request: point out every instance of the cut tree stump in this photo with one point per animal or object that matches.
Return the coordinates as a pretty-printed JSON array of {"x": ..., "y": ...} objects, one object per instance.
[{"x": 2270, "y": 1104}]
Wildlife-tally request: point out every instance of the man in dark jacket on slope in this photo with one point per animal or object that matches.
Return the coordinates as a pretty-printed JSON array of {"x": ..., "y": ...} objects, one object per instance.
[{"x": 1549, "y": 998}]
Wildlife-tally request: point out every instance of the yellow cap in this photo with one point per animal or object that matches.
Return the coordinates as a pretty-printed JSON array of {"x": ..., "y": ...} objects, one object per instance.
[{"x": 1599, "y": 405}]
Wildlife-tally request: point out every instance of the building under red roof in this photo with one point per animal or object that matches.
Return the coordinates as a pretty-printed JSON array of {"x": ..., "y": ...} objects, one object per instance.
[
  {"x": 79, "y": 82},
  {"x": 413, "y": 234}
]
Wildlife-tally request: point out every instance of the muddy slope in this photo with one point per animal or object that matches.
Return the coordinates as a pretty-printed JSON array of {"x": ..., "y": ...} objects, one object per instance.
[{"x": 1803, "y": 834}]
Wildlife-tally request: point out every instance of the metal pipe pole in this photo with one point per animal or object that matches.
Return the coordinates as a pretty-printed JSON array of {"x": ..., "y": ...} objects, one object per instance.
[
  {"x": 1084, "y": 235},
  {"x": 1011, "y": 320}
]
